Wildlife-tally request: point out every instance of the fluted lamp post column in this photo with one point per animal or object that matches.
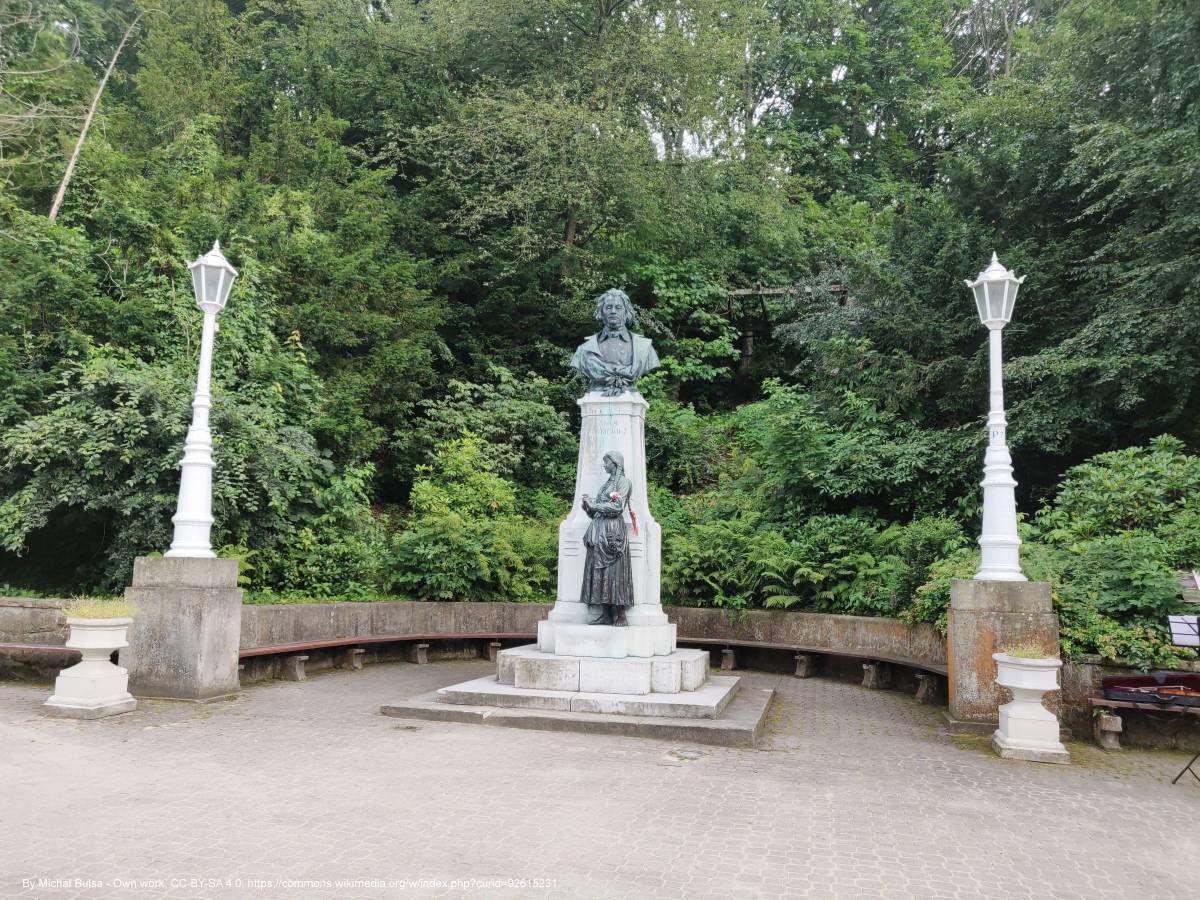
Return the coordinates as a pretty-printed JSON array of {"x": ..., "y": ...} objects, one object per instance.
[
  {"x": 995, "y": 291},
  {"x": 212, "y": 279}
]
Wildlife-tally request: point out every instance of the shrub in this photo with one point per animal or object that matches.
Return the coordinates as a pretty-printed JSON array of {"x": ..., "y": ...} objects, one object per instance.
[
  {"x": 1123, "y": 576},
  {"x": 847, "y": 455},
  {"x": 931, "y": 601},
  {"x": 448, "y": 557},
  {"x": 709, "y": 564},
  {"x": 462, "y": 479},
  {"x": 465, "y": 540},
  {"x": 1085, "y": 630},
  {"x": 846, "y": 568},
  {"x": 1154, "y": 489},
  {"x": 518, "y": 425},
  {"x": 840, "y": 564},
  {"x": 335, "y": 551},
  {"x": 920, "y": 544},
  {"x": 684, "y": 450}
]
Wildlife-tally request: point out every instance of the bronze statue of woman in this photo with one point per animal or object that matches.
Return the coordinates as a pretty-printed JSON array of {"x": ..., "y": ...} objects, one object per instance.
[{"x": 608, "y": 571}]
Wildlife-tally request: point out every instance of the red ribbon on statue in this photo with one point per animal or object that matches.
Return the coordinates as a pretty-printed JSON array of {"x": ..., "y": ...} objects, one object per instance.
[{"x": 614, "y": 497}]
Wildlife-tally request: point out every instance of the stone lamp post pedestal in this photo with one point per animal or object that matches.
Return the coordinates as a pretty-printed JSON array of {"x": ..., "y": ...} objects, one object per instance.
[
  {"x": 184, "y": 643},
  {"x": 984, "y": 617}
]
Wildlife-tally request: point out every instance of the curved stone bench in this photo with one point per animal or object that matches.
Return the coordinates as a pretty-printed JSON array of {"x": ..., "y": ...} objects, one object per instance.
[
  {"x": 292, "y": 628},
  {"x": 859, "y": 637}
]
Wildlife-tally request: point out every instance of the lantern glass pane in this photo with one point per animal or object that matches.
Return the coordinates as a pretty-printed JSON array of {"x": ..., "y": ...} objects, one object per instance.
[
  {"x": 995, "y": 300},
  {"x": 198, "y": 282},
  {"x": 978, "y": 291},
  {"x": 1010, "y": 298},
  {"x": 210, "y": 284}
]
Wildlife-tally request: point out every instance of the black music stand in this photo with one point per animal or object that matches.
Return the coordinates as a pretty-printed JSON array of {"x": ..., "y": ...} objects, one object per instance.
[{"x": 1185, "y": 632}]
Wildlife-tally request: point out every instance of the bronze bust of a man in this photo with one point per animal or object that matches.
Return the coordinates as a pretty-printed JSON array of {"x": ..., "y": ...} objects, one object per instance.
[{"x": 614, "y": 358}]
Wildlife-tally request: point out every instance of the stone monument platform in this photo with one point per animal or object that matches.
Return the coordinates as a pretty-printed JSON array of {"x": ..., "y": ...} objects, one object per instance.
[
  {"x": 707, "y": 702},
  {"x": 530, "y": 668},
  {"x": 671, "y": 696},
  {"x": 675, "y": 686},
  {"x": 740, "y": 724}
]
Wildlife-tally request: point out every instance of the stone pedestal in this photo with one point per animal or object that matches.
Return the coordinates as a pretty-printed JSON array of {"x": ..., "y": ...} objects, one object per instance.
[
  {"x": 528, "y": 667},
  {"x": 1027, "y": 729},
  {"x": 985, "y": 617},
  {"x": 610, "y": 423},
  {"x": 93, "y": 688},
  {"x": 1107, "y": 728},
  {"x": 673, "y": 686},
  {"x": 606, "y": 641},
  {"x": 806, "y": 665},
  {"x": 183, "y": 644}
]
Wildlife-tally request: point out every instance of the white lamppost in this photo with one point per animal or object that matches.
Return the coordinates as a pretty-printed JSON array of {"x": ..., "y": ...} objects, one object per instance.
[
  {"x": 212, "y": 277},
  {"x": 995, "y": 292}
]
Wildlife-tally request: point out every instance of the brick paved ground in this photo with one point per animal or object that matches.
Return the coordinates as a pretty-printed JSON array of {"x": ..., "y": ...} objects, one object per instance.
[{"x": 855, "y": 794}]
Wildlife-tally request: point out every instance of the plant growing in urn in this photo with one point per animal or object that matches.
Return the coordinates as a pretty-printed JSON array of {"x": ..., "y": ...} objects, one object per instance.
[
  {"x": 94, "y": 687},
  {"x": 1027, "y": 729}
]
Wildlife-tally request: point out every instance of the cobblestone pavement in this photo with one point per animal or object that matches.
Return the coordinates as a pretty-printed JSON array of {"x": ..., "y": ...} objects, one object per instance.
[{"x": 293, "y": 787}]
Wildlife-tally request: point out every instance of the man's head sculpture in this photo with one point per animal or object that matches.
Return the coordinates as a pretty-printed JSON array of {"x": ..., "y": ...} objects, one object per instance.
[
  {"x": 613, "y": 295},
  {"x": 614, "y": 358}
]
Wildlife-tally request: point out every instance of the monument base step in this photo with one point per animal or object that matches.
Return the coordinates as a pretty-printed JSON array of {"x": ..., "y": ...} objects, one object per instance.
[
  {"x": 530, "y": 668},
  {"x": 741, "y": 724},
  {"x": 607, "y": 641},
  {"x": 708, "y": 702}
]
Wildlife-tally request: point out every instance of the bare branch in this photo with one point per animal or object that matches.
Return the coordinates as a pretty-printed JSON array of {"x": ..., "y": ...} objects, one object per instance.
[{"x": 87, "y": 122}]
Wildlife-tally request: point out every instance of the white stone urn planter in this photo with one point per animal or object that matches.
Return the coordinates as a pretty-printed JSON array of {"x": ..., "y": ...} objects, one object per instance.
[
  {"x": 94, "y": 687},
  {"x": 1027, "y": 729}
]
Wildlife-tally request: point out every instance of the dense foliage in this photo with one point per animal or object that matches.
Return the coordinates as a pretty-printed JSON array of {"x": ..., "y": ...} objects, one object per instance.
[{"x": 423, "y": 197}]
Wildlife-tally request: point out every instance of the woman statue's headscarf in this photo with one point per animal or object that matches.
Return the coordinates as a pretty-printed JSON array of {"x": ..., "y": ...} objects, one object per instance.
[{"x": 618, "y": 459}]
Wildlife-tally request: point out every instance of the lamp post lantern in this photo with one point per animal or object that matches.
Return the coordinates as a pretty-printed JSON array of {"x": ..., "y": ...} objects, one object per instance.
[
  {"x": 212, "y": 278},
  {"x": 995, "y": 291}
]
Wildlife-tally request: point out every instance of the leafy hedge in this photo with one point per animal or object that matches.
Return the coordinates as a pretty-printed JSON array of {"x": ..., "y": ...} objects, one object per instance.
[
  {"x": 1109, "y": 541},
  {"x": 761, "y": 533}
]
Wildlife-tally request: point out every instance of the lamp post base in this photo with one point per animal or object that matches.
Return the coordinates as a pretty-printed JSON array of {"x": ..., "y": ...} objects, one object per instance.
[
  {"x": 986, "y": 616},
  {"x": 183, "y": 644}
]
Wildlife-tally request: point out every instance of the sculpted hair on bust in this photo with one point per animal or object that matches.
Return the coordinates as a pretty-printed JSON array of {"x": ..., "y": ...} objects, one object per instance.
[{"x": 615, "y": 294}]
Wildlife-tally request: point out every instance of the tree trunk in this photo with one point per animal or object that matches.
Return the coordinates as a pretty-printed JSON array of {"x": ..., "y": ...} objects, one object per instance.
[
  {"x": 569, "y": 234},
  {"x": 87, "y": 122}
]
